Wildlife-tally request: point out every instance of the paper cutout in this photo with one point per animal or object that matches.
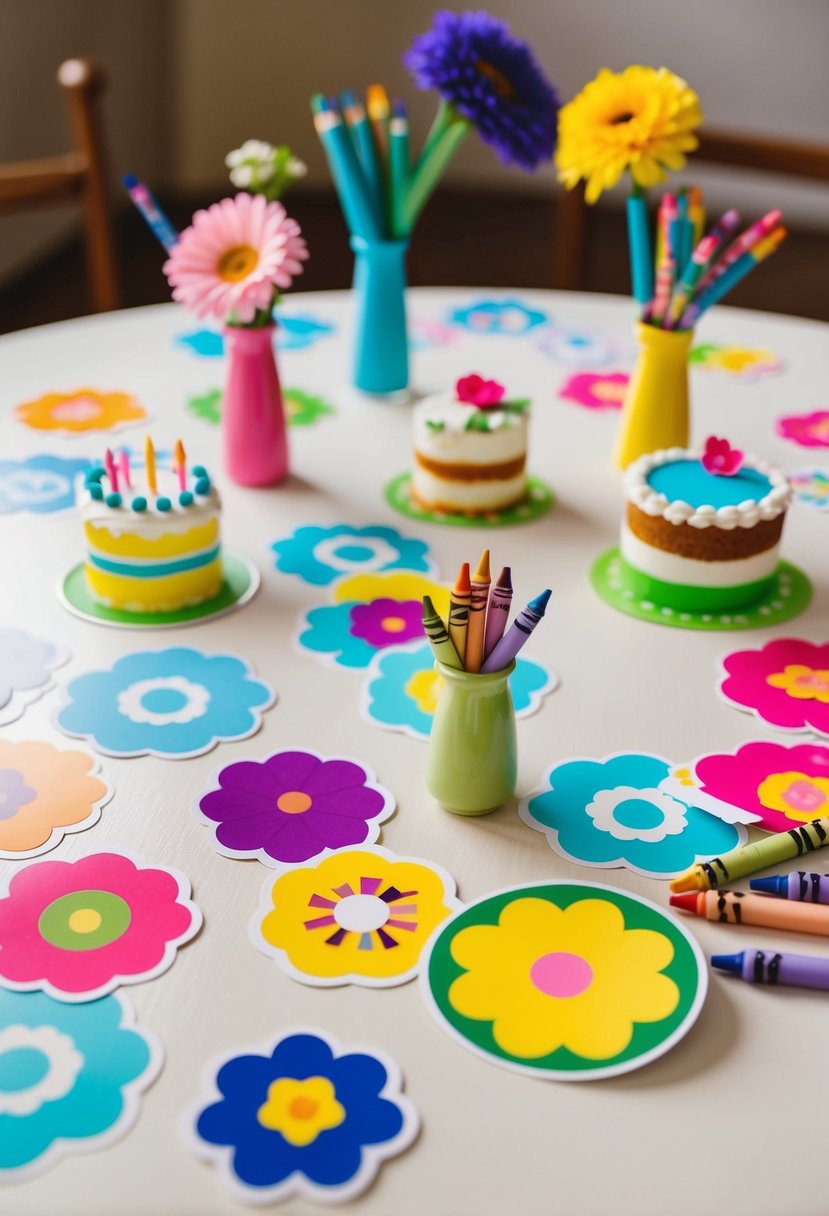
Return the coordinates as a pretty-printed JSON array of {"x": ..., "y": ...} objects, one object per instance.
[
  {"x": 172, "y": 703},
  {"x": 361, "y": 916},
  {"x": 811, "y": 487},
  {"x": 320, "y": 555},
  {"x": 293, "y": 807},
  {"x": 807, "y": 430},
  {"x": 41, "y": 485},
  {"x": 563, "y": 980},
  {"x": 370, "y": 613},
  {"x": 26, "y": 666},
  {"x": 301, "y": 408},
  {"x": 584, "y": 348},
  {"x": 538, "y": 502},
  {"x": 85, "y": 409},
  {"x": 45, "y": 793},
  {"x": 292, "y": 333},
  {"x": 784, "y": 683},
  {"x": 509, "y": 317},
  {"x": 743, "y": 363},
  {"x": 301, "y": 1116},
  {"x": 596, "y": 390},
  {"x": 77, "y": 930},
  {"x": 402, "y": 685},
  {"x": 71, "y": 1078},
  {"x": 615, "y": 813},
  {"x": 426, "y": 334},
  {"x": 203, "y": 342}
]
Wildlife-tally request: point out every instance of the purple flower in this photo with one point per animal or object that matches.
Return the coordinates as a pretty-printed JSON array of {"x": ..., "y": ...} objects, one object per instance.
[
  {"x": 294, "y": 806},
  {"x": 387, "y": 622},
  {"x": 492, "y": 80}
]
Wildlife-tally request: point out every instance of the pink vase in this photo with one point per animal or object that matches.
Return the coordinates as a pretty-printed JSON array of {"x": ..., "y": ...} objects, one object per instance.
[{"x": 253, "y": 413}]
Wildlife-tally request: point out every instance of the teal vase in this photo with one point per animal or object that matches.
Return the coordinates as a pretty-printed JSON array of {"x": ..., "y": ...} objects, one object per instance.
[
  {"x": 472, "y": 748},
  {"x": 381, "y": 362}
]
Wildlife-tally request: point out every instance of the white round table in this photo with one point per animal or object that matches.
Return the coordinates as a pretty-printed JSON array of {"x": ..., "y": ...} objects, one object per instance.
[{"x": 732, "y": 1115}]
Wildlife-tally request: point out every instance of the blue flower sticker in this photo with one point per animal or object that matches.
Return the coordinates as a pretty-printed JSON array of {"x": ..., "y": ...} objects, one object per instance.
[
  {"x": 204, "y": 342},
  {"x": 402, "y": 686},
  {"x": 320, "y": 555},
  {"x": 39, "y": 484},
  {"x": 298, "y": 332},
  {"x": 498, "y": 317},
  {"x": 303, "y": 1116},
  {"x": 173, "y": 703},
  {"x": 71, "y": 1077},
  {"x": 616, "y": 812}
]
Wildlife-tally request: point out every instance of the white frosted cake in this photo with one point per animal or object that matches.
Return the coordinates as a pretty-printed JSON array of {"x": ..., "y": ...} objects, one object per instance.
[{"x": 470, "y": 458}]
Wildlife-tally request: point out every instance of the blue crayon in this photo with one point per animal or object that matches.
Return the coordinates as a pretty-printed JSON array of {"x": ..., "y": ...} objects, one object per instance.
[
  {"x": 808, "y": 888},
  {"x": 517, "y": 634},
  {"x": 146, "y": 204}
]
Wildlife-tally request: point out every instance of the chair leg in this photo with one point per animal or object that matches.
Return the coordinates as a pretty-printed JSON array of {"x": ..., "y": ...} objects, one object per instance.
[{"x": 568, "y": 250}]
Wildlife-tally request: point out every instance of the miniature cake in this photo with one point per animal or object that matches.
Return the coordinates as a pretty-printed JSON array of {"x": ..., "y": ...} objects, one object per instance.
[
  {"x": 702, "y": 529},
  {"x": 470, "y": 449},
  {"x": 153, "y": 549}
]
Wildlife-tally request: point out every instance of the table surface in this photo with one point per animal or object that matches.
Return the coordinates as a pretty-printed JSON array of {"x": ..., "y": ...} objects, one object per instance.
[{"x": 708, "y": 1119}]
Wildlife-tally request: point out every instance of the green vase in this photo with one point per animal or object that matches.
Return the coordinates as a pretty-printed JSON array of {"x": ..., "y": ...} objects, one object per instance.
[{"x": 472, "y": 749}]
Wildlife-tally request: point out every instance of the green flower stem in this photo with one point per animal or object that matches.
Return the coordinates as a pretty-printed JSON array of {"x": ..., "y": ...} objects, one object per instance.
[{"x": 448, "y": 132}]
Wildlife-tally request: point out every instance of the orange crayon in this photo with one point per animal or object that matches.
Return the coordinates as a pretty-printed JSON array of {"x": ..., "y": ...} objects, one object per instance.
[
  {"x": 735, "y": 908},
  {"x": 459, "y": 611},
  {"x": 481, "y": 580}
]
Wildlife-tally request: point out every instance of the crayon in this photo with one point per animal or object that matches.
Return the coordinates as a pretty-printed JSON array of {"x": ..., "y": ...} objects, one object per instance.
[
  {"x": 517, "y": 634},
  {"x": 737, "y": 908},
  {"x": 808, "y": 888},
  {"x": 738, "y": 863},
  {"x": 481, "y": 579},
  {"x": 639, "y": 240},
  {"x": 732, "y": 276},
  {"x": 459, "y": 611},
  {"x": 775, "y": 967},
  {"x": 439, "y": 639},
  {"x": 685, "y": 288},
  {"x": 500, "y": 599},
  {"x": 667, "y": 261},
  {"x": 147, "y": 204},
  {"x": 742, "y": 244}
]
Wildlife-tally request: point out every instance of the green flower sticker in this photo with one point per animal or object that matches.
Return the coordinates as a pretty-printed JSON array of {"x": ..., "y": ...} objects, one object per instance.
[{"x": 301, "y": 408}]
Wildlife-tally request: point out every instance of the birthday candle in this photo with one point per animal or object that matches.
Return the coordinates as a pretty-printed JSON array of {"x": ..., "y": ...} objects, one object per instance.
[
  {"x": 149, "y": 465},
  {"x": 439, "y": 639},
  {"x": 180, "y": 461},
  {"x": 124, "y": 466},
  {"x": 459, "y": 611},
  {"x": 481, "y": 579},
  {"x": 111, "y": 471},
  {"x": 500, "y": 599},
  {"x": 517, "y": 634}
]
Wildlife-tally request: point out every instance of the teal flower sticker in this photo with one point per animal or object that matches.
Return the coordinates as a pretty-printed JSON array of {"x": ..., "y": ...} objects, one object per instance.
[
  {"x": 509, "y": 317},
  {"x": 320, "y": 555}
]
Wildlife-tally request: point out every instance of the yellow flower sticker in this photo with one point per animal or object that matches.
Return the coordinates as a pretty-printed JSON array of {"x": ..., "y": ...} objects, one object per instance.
[
  {"x": 85, "y": 409},
  {"x": 402, "y": 585},
  {"x": 300, "y": 1110}
]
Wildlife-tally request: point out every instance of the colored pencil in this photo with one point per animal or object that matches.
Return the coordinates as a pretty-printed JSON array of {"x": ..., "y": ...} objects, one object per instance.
[
  {"x": 743, "y": 243},
  {"x": 639, "y": 240},
  {"x": 349, "y": 179},
  {"x": 696, "y": 214},
  {"x": 730, "y": 277},
  {"x": 146, "y": 203},
  {"x": 398, "y": 168},
  {"x": 366, "y": 149},
  {"x": 379, "y": 110},
  {"x": 665, "y": 268},
  {"x": 685, "y": 288},
  {"x": 480, "y": 583},
  {"x": 459, "y": 611}
]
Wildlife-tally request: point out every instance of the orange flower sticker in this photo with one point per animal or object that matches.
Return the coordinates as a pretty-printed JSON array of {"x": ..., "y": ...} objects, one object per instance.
[
  {"x": 45, "y": 793},
  {"x": 85, "y": 409}
]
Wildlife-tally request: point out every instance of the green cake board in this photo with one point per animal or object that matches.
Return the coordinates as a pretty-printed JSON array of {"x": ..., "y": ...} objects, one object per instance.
[{"x": 538, "y": 502}]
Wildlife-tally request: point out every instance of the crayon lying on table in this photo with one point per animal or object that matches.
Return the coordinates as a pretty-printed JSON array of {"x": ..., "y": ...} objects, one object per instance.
[
  {"x": 738, "y": 863},
  {"x": 439, "y": 639},
  {"x": 517, "y": 634},
  {"x": 775, "y": 967},
  {"x": 808, "y": 888},
  {"x": 736, "y": 908}
]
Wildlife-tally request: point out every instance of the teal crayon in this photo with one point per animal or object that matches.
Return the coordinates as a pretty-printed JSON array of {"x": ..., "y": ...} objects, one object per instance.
[{"x": 439, "y": 639}]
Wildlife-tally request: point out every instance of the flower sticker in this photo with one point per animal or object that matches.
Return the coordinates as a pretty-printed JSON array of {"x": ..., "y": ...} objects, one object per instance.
[
  {"x": 811, "y": 488},
  {"x": 743, "y": 363},
  {"x": 301, "y": 408},
  {"x": 41, "y": 485},
  {"x": 172, "y": 703},
  {"x": 807, "y": 430},
  {"x": 292, "y": 333},
  {"x": 426, "y": 334},
  {"x": 85, "y": 409},
  {"x": 294, "y": 807},
  {"x": 564, "y": 980},
  {"x": 780, "y": 787},
  {"x": 720, "y": 459},
  {"x": 361, "y": 916},
  {"x": 371, "y": 612},
  {"x": 45, "y": 792},
  {"x": 71, "y": 1078},
  {"x": 509, "y": 317},
  {"x": 474, "y": 390},
  {"x": 615, "y": 812},
  {"x": 596, "y": 390},
  {"x": 581, "y": 347},
  {"x": 320, "y": 555},
  {"x": 79, "y": 929},
  {"x": 402, "y": 686},
  {"x": 784, "y": 683},
  {"x": 302, "y": 1116},
  {"x": 26, "y": 666}
]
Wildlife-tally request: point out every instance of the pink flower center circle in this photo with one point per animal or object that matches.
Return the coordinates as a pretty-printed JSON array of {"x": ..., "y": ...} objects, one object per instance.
[
  {"x": 79, "y": 409},
  {"x": 561, "y": 974},
  {"x": 294, "y": 802}
]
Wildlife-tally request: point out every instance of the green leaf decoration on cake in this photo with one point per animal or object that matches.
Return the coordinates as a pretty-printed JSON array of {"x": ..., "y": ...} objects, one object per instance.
[
  {"x": 478, "y": 422},
  {"x": 434, "y": 426},
  {"x": 515, "y": 407}
]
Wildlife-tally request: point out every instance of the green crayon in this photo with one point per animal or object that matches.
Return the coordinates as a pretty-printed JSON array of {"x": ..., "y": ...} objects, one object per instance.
[
  {"x": 439, "y": 639},
  {"x": 707, "y": 875}
]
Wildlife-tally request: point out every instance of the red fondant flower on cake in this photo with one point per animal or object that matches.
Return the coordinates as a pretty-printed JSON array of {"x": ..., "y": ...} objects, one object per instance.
[
  {"x": 474, "y": 390},
  {"x": 720, "y": 458}
]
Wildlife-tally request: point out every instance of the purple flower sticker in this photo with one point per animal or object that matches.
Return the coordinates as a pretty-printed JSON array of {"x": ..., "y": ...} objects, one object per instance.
[
  {"x": 294, "y": 807},
  {"x": 384, "y": 623}
]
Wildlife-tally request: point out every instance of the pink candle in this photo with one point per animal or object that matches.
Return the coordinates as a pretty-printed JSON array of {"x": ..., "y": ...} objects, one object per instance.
[
  {"x": 111, "y": 471},
  {"x": 124, "y": 466},
  {"x": 180, "y": 461}
]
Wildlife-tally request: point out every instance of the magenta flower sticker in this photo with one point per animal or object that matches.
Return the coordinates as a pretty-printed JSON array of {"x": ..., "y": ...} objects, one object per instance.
[
  {"x": 387, "y": 622},
  {"x": 79, "y": 929},
  {"x": 785, "y": 683},
  {"x": 474, "y": 390},
  {"x": 293, "y": 807},
  {"x": 783, "y": 787},
  {"x": 808, "y": 430},
  {"x": 720, "y": 458},
  {"x": 596, "y": 390}
]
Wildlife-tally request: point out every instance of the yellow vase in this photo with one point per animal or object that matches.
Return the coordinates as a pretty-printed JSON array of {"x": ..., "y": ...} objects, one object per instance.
[{"x": 655, "y": 409}]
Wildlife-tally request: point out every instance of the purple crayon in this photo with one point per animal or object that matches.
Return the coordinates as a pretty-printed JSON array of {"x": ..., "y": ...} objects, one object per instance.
[
  {"x": 517, "y": 634},
  {"x": 500, "y": 599},
  {"x": 808, "y": 888},
  {"x": 774, "y": 967}
]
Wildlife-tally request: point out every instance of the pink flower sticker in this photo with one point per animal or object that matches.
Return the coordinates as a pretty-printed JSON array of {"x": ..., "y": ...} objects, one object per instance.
[
  {"x": 808, "y": 430},
  {"x": 784, "y": 787},
  {"x": 78, "y": 929},
  {"x": 720, "y": 458},
  {"x": 596, "y": 390},
  {"x": 474, "y": 390},
  {"x": 785, "y": 683}
]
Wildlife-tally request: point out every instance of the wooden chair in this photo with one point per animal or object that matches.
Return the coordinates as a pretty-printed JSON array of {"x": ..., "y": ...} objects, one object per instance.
[
  {"x": 753, "y": 152},
  {"x": 79, "y": 174}
]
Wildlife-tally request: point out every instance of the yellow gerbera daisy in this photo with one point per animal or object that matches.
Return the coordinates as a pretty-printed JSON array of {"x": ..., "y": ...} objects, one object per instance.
[{"x": 641, "y": 119}]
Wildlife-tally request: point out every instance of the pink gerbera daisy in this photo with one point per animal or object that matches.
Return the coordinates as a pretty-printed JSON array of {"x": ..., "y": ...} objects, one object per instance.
[{"x": 229, "y": 261}]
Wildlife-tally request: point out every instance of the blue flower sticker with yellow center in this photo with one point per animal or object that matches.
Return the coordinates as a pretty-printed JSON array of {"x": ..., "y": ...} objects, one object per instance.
[
  {"x": 509, "y": 317},
  {"x": 39, "y": 484},
  {"x": 320, "y": 555}
]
